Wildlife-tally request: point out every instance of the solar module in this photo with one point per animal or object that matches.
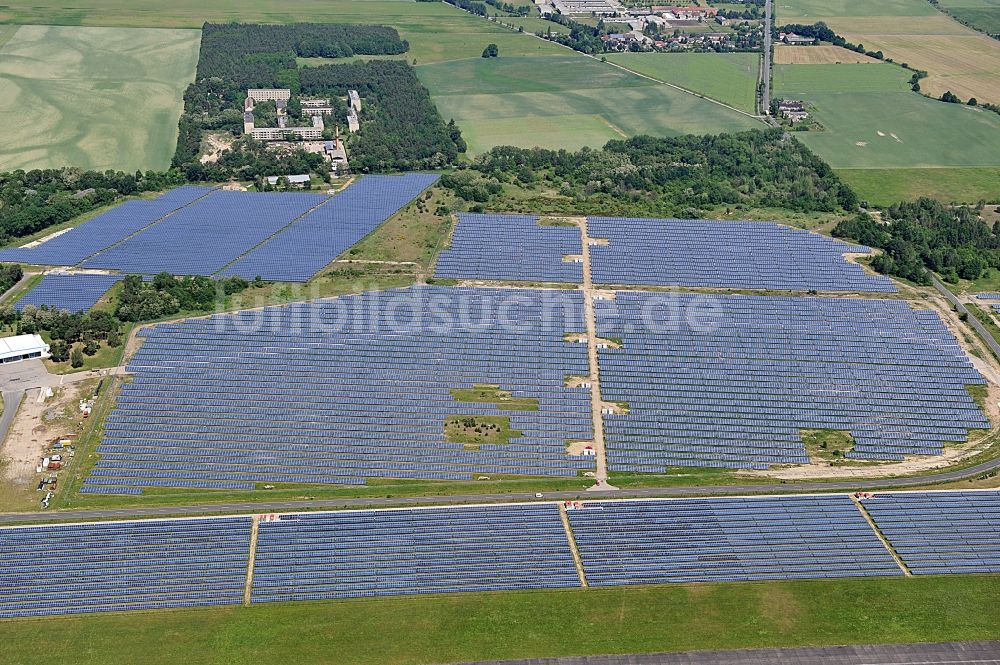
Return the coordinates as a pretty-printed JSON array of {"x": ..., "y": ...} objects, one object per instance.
[
  {"x": 724, "y": 254},
  {"x": 339, "y": 391},
  {"x": 116, "y": 566},
  {"x": 726, "y": 539},
  {"x": 71, "y": 292},
  {"x": 941, "y": 532},
  {"x": 730, "y": 381},
  {"x": 300, "y": 251},
  {"x": 511, "y": 248}
]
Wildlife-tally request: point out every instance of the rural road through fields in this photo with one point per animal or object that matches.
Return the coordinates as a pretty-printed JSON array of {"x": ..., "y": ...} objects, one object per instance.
[
  {"x": 948, "y": 653},
  {"x": 765, "y": 70}
]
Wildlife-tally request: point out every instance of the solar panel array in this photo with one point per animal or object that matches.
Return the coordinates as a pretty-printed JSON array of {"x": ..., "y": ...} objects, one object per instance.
[
  {"x": 988, "y": 296},
  {"x": 729, "y": 381},
  {"x": 941, "y": 532},
  {"x": 71, "y": 292},
  {"x": 104, "y": 230},
  {"x": 299, "y": 252},
  {"x": 155, "y": 564},
  {"x": 701, "y": 540},
  {"x": 357, "y": 387},
  {"x": 397, "y": 552},
  {"x": 511, "y": 248},
  {"x": 738, "y": 255},
  {"x": 204, "y": 237},
  {"x": 114, "y": 566}
]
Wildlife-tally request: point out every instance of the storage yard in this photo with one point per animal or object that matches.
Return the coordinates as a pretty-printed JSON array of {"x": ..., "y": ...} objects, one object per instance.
[{"x": 279, "y": 557}]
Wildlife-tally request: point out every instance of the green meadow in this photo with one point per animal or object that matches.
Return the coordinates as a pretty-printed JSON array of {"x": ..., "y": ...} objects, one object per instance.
[
  {"x": 94, "y": 98},
  {"x": 871, "y": 119},
  {"x": 567, "y": 101},
  {"x": 527, "y": 624},
  {"x": 730, "y": 78},
  {"x": 884, "y": 187}
]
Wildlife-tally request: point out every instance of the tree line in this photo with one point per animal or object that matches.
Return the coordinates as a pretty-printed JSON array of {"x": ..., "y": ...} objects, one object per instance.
[
  {"x": 31, "y": 201},
  {"x": 677, "y": 176},
  {"x": 925, "y": 236}
]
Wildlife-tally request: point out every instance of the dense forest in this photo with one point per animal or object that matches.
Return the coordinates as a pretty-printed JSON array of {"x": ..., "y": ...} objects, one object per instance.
[
  {"x": 35, "y": 200},
  {"x": 666, "y": 176},
  {"x": 165, "y": 295},
  {"x": 401, "y": 128},
  {"x": 928, "y": 236}
]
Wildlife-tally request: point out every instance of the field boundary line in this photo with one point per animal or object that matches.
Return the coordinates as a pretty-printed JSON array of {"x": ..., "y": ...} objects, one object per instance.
[
  {"x": 881, "y": 536},
  {"x": 571, "y": 539}
]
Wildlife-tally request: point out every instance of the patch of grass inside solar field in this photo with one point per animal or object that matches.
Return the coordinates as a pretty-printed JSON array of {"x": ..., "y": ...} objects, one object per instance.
[
  {"x": 474, "y": 431},
  {"x": 827, "y": 444},
  {"x": 464, "y": 627},
  {"x": 488, "y": 394}
]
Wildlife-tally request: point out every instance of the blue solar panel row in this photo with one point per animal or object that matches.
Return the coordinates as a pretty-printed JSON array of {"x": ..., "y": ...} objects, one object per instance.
[
  {"x": 71, "y": 292},
  {"x": 351, "y": 388},
  {"x": 299, "y": 252},
  {"x": 988, "y": 296},
  {"x": 730, "y": 381},
  {"x": 941, "y": 532},
  {"x": 397, "y": 552},
  {"x": 104, "y": 230},
  {"x": 511, "y": 248},
  {"x": 204, "y": 237},
  {"x": 156, "y": 564},
  {"x": 114, "y": 566},
  {"x": 702, "y": 540},
  {"x": 739, "y": 255}
]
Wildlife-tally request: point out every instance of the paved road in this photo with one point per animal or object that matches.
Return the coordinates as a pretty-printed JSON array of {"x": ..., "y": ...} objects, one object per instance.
[
  {"x": 951, "y": 653},
  {"x": 11, "y": 400},
  {"x": 582, "y": 494},
  {"x": 972, "y": 320},
  {"x": 766, "y": 65}
]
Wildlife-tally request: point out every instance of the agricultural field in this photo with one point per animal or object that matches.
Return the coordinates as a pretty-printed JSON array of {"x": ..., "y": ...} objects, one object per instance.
[
  {"x": 957, "y": 58},
  {"x": 818, "y": 55},
  {"x": 94, "y": 98},
  {"x": 730, "y": 78},
  {"x": 564, "y": 102},
  {"x": 871, "y": 119},
  {"x": 435, "y": 31},
  {"x": 491, "y": 626},
  {"x": 884, "y": 187},
  {"x": 979, "y": 14}
]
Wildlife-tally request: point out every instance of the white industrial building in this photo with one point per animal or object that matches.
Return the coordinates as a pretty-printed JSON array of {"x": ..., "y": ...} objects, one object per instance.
[
  {"x": 269, "y": 94},
  {"x": 22, "y": 347}
]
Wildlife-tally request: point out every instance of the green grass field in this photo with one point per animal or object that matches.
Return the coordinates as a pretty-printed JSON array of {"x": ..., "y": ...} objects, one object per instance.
[
  {"x": 884, "y": 187},
  {"x": 465, "y": 627},
  {"x": 981, "y": 14},
  {"x": 94, "y": 98},
  {"x": 789, "y": 10},
  {"x": 730, "y": 78},
  {"x": 872, "y": 120},
  {"x": 564, "y": 102}
]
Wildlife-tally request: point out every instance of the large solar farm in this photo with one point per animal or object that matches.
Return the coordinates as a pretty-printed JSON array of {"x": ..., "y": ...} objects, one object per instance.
[{"x": 581, "y": 353}]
